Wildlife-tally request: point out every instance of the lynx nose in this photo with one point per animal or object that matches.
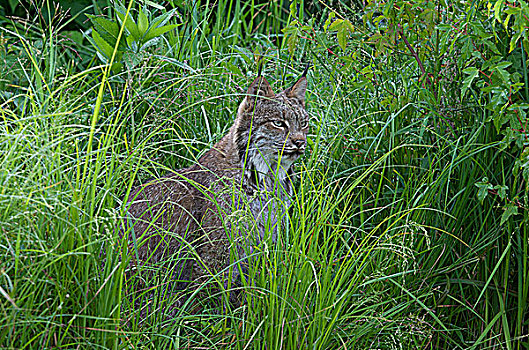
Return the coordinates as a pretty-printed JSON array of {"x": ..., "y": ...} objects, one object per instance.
[{"x": 300, "y": 143}]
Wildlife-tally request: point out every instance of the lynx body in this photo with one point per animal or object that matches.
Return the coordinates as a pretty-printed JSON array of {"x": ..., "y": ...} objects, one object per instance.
[{"x": 237, "y": 191}]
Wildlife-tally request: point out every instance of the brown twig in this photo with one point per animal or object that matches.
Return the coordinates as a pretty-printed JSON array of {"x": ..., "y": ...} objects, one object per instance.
[{"x": 416, "y": 56}]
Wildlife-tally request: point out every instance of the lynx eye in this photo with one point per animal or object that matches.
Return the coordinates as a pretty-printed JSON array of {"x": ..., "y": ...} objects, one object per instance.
[{"x": 278, "y": 123}]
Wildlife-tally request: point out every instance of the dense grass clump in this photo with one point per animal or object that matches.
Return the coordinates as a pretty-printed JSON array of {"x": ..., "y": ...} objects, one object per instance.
[{"x": 409, "y": 228}]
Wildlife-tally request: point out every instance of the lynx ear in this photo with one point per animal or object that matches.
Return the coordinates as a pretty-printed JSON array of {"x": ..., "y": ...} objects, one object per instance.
[
  {"x": 298, "y": 90},
  {"x": 259, "y": 87},
  {"x": 300, "y": 87}
]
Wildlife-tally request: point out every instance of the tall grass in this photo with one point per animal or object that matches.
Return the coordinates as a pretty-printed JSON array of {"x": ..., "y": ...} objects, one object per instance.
[{"x": 386, "y": 246}]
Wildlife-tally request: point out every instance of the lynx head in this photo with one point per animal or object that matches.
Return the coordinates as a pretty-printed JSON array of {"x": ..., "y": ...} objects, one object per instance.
[{"x": 271, "y": 129}]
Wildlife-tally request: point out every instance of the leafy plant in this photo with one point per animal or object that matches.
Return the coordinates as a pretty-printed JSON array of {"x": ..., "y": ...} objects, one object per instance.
[{"x": 127, "y": 39}]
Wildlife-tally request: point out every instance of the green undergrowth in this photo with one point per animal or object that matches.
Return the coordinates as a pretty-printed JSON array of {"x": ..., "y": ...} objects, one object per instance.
[{"x": 408, "y": 229}]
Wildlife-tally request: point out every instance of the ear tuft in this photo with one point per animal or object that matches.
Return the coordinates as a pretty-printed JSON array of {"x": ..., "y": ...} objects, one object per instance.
[{"x": 306, "y": 70}]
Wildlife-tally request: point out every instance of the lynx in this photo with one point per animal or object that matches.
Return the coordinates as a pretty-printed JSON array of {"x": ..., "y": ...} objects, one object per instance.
[{"x": 236, "y": 192}]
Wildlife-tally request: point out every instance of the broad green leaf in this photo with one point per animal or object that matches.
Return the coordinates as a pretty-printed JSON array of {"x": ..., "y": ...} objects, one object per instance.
[
  {"x": 514, "y": 41},
  {"x": 130, "y": 25},
  {"x": 497, "y": 10},
  {"x": 482, "y": 194},
  {"x": 342, "y": 37},
  {"x": 500, "y": 119},
  {"x": 502, "y": 191},
  {"x": 107, "y": 29},
  {"x": 293, "y": 9},
  {"x": 506, "y": 22},
  {"x": 153, "y": 4},
  {"x": 511, "y": 11},
  {"x": 143, "y": 22},
  {"x": 483, "y": 189},
  {"x": 478, "y": 28},
  {"x": 492, "y": 46},
  {"x": 514, "y": 122},
  {"x": 292, "y": 42},
  {"x": 102, "y": 45},
  {"x": 150, "y": 43},
  {"x": 98, "y": 50},
  {"x": 343, "y": 28},
  {"x": 472, "y": 73},
  {"x": 154, "y": 32},
  {"x": 131, "y": 41},
  {"x": 503, "y": 64},
  {"x": 468, "y": 48},
  {"x": 293, "y": 36},
  {"x": 336, "y": 24},
  {"x": 503, "y": 74},
  {"x": 349, "y": 25},
  {"x": 507, "y": 139},
  {"x": 162, "y": 19},
  {"x": 510, "y": 210}
]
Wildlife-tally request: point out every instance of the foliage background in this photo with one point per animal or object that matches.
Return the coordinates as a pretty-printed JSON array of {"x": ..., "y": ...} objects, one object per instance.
[{"x": 410, "y": 228}]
